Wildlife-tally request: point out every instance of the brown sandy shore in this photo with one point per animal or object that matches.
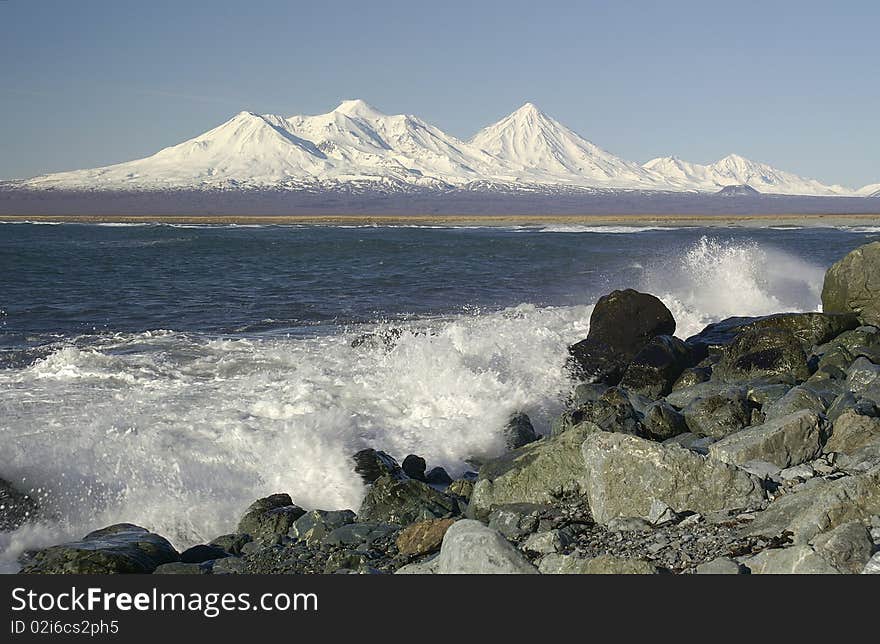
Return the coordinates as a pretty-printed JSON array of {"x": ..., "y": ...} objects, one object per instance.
[{"x": 824, "y": 220}]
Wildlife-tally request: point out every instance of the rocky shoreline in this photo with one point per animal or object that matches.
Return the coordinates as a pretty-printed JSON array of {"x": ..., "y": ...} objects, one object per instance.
[{"x": 752, "y": 447}]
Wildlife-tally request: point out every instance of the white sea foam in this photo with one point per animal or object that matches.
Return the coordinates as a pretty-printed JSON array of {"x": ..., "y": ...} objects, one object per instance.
[
  {"x": 179, "y": 432},
  {"x": 615, "y": 230}
]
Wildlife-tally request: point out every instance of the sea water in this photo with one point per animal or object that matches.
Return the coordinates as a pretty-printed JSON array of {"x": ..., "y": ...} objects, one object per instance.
[{"x": 169, "y": 375}]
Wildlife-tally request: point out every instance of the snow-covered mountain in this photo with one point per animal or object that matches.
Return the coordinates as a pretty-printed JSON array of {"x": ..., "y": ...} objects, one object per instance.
[
  {"x": 734, "y": 170},
  {"x": 357, "y": 145},
  {"x": 872, "y": 190}
]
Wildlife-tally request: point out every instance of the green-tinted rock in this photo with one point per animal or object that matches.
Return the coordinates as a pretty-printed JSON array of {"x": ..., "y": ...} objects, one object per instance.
[
  {"x": 718, "y": 415},
  {"x": 555, "y": 564},
  {"x": 117, "y": 549},
  {"x": 625, "y": 475},
  {"x": 772, "y": 355},
  {"x": 852, "y": 431},
  {"x": 403, "y": 502},
  {"x": 852, "y": 285},
  {"x": 786, "y": 441},
  {"x": 536, "y": 473}
]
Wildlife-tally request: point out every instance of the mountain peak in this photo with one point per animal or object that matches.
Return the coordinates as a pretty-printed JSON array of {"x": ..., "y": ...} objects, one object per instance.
[
  {"x": 528, "y": 108},
  {"x": 357, "y": 107}
]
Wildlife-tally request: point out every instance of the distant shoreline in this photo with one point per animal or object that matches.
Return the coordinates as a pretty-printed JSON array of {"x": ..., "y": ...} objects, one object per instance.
[{"x": 666, "y": 220}]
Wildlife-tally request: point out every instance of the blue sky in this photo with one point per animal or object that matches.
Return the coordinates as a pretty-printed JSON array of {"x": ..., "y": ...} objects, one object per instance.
[{"x": 795, "y": 84}]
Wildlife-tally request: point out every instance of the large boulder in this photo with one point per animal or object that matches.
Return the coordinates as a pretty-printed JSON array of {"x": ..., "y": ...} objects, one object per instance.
[
  {"x": 314, "y": 526},
  {"x": 810, "y": 328},
  {"x": 15, "y": 508},
  {"x": 117, "y": 549},
  {"x": 556, "y": 564},
  {"x": 471, "y": 548},
  {"x": 622, "y": 324},
  {"x": 763, "y": 354},
  {"x": 270, "y": 518},
  {"x": 852, "y": 431},
  {"x": 848, "y": 547},
  {"x": 718, "y": 415},
  {"x": 786, "y": 441},
  {"x": 820, "y": 507},
  {"x": 794, "y": 560},
  {"x": 372, "y": 464},
  {"x": 391, "y": 500},
  {"x": 852, "y": 285},
  {"x": 536, "y": 473},
  {"x": 626, "y": 475},
  {"x": 655, "y": 368},
  {"x": 519, "y": 431},
  {"x": 611, "y": 412}
]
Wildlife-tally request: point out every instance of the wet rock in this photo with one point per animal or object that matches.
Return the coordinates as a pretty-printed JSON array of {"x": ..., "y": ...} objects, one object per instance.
[
  {"x": 852, "y": 431},
  {"x": 385, "y": 339},
  {"x": 438, "y": 476},
  {"x": 662, "y": 422},
  {"x": 624, "y": 475},
  {"x": 390, "y": 500},
  {"x": 718, "y": 415},
  {"x": 314, "y": 526},
  {"x": 360, "y": 534},
  {"x": 771, "y": 355},
  {"x": 612, "y": 412},
  {"x": 535, "y": 473},
  {"x": 267, "y": 519},
  {"x": 621, "y": 325},
  {"x": 469, "y": 547},
  {"x": 519, "y": 431},
  {"x": 555, "y": 564},
  {"x": 202, "y": 553},
  {"x": 852, "y": 285},
  {"x": 809, "y": 328},
  {"x": 414, "y": 467},
  {"x": 820, "y": 507},
  {"x": 587, "y": 392},
  {"x": 785, "y": 441},
  {"x": 121, "y": 548},
  {"x": 692, "y": 376},
  {"x": 372, "y": 464},
  {"x": 232, "y": 543},
  {"x": 424, "y": 537},
  {"x": 16, "y": 508},
  {"x": 794, "y": 560},
  {"x": 655, "y": 368},
  {"x": 848, "y": 547}
]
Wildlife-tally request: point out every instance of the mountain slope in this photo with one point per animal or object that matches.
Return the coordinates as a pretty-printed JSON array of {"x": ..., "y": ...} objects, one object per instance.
[
  {"x": 541, "y": 149},
  {"x": 872, "y": 190},
  {"x": 734, "y": 170}
]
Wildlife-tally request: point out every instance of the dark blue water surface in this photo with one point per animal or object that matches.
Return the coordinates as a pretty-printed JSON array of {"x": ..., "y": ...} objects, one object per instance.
[{"x": 70, "y": 279}]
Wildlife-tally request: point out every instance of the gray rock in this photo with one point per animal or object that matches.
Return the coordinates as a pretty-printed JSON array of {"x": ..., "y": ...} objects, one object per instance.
[
  {"x": 873, "y": 566},
  {"x": 772, "y": 355},
  {"x": 391, "y": 500},
  {"x": 852, "y": 431},
  {"x": 516, "y": 520},
  {"x": 797, "y": 399},
  {"x": 765, "y": 395},
  {"x": 314, "y": 526},
  {"x": 797, "y": 472},
  {"x": 692, "y": 376},
  {"x": 795, "y": 560},
  {"x": 16, "y": 508},
  {"x": 469, "y": 547},
  {"x": 848, "y": 547},
  {"x": 357, "y": 534},
  {"x": 721, "y": 566},
  {"x": 587, "y": 392},
  {"x": 785, "y": 441},
  {"x": 202, "y": 553},
  {"x": 862, "y": 375},
  {"x": 621, "y": 325},
  {"x": 612, "y": 412},
  {"x": 849, "y": 401},
  {"x": 625, "y": 474},
  {"x": 820, "y": 507},
  {"x": 556, "y": 564},
  {"x": 121, "y": 548},
  {"x": 427, "y": 567},
  {"x": 544, "y": 543},
  {"x": 536, "y": 473},
  {"x": 660, "y": 513},
  {"x": 180, "y": 568},
  {"x": 232, "y": 543},
  {"x": 655, "y": 368},
  {"x": 681, "y": 398},
  {"x": 718, "y": 415},
  {"x": 761, "y": 469},
  {"x": 852, "y": 285},
  {"x": 628, "y": 524},
  {"x": 519, "y": 431},
  {"x": 230, "y": 566}
]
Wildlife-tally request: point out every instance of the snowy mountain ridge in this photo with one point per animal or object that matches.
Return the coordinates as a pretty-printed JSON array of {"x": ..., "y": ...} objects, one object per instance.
[{"x": 359, "y": 145}]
